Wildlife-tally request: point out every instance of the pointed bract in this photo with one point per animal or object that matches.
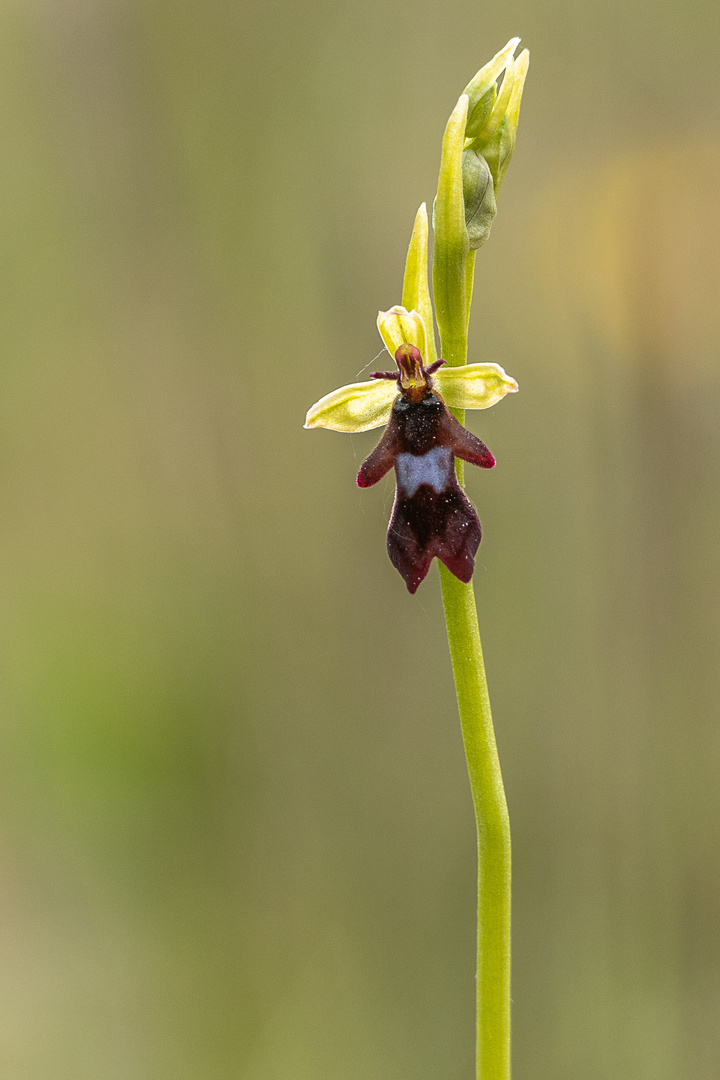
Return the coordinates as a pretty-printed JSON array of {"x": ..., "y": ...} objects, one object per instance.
[
  {"x": 416, "y": 291},
  {"x": 451, "y": 238}
]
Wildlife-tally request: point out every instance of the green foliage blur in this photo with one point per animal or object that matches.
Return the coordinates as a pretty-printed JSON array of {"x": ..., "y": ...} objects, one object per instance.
[{"x": 236, "y": 836}]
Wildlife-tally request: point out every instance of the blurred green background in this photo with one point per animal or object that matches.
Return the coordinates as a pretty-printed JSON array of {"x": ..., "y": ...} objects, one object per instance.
[{"x": 236, "y": 837}]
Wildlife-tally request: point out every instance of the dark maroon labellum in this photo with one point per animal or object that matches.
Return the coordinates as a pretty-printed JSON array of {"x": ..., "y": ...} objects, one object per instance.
[{"x": 432, "y": 516}]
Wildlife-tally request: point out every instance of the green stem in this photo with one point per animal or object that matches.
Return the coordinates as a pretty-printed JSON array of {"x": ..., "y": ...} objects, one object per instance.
[
  {"x": 493, "y": 825},
  {"x": 453, "y": 274},
  {"x": 493, "y": 829}
]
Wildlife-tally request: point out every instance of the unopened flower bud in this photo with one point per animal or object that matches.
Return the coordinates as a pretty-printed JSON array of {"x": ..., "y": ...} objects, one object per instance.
[
  {"x": 482, "y": 90},
  {"x": 479, "y": 196},
  {"x": 496, "y": 139}
]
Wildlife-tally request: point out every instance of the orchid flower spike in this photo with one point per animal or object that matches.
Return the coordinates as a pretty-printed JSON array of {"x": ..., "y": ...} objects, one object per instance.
[{"x": 432, "y": 516}]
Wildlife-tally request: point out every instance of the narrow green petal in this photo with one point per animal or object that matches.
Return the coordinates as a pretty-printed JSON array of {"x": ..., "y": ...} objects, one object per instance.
[
  {"x": 416, "y": 292},
  {"x": 357, "y": 407},
  {"x": 474, "y": 386},
  {"x": 401, "y": 327}
]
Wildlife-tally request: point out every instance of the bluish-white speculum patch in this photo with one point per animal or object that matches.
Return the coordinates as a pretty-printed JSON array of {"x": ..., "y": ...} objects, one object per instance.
[{"x": 434, "y": 468}]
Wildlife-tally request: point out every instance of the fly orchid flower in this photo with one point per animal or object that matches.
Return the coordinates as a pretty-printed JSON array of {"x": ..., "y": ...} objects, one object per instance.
[{"x": 432, "y": 516}]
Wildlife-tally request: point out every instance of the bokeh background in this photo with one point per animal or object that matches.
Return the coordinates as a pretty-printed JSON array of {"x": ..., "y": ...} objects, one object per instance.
[{"x": 236, "y": 837}]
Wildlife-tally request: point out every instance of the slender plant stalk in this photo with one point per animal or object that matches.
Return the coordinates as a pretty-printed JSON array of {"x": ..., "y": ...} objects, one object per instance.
[
  {"x": 477, "y": 146},
  {"x": 453, "y": 272},
  {"x": 482, "y": 123},
  {"x": 493, "y": 829}
]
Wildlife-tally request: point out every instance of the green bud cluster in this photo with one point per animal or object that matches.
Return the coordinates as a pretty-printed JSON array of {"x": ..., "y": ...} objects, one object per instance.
[{"x": 490, "y": 137}]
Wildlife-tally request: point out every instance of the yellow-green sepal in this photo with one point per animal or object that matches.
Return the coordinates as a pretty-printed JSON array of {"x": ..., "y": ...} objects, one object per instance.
[
  {"x": 398, "y": 326},
  {"x": 357, "y": 407},
  {"x": 473, "y": 386}
]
